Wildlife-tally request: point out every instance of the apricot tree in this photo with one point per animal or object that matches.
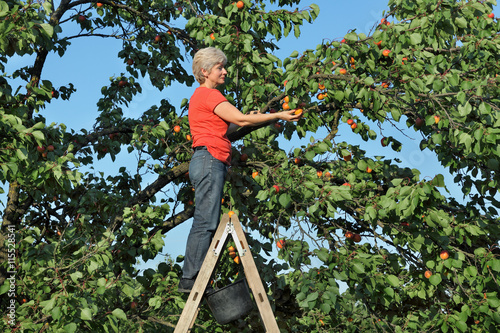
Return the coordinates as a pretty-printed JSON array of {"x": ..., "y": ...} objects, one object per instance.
[{"x": 349, "y": 216}]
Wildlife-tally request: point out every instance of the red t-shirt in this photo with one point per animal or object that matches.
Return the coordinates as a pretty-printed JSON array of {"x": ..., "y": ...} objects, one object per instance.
[{"x": 207, "y": 128}]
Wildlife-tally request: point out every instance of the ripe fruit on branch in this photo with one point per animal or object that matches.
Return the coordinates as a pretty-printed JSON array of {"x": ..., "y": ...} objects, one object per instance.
[
  {"x": 379, "y": 44},
  {"x": 99, "y": 4},
  {"x": 321, "y": 96},
  {"x": 419, "y": 122},
  {"x": 133, "y": 305},
  {"x": 81, "y": 18},
  {"x": 50, "y": 148},
  {"x": 212, "y": 36},
  {"x": 347, "y": 158},
  {"x": 130, "y": 62},
  {"x": 157, "y": 38},
  {"x": 244, "y": 157},
  {"x": 188, "y": 137},
  {"x": 350, "y": 121},
  {"x": 298, "y": 111},
  {"x": 285, "y": 106},
  {"x": 177, "y": 128},
  {"x": 369, "y": 170},
  {"x": 349, "y": 235},
  {"x": 319, "y": 173},
  {"x": 254, "y": 174},
  {"x": 444, "y": 255},
  {"x": 356, "y": 238},
  {"x": 237, "y": 260},
  {"x": 231, "y": 213},
  {"x": 280, "y": 243},
  {"x": 405, "y": 224},
  {"x": 386, "y": 52},
  {"x": 40, "y": 149},
  {"x": 297, "y": 160},
  {"x": 122, "y": 83},
  {"x": 354, "y": 126},
  {"x": 276, "y": 188},
  {"x": 436, "y": 119},
  {"x": 240, "y": 4},
  {"x": 343, "y": 71},
  {"x": 428, "y": 274},
  {"x": 491, "y": 15},
  {"x": 321, "y": 86}
]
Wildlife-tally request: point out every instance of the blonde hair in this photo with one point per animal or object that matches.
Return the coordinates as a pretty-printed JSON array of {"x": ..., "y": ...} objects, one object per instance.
[{"x": 206, "y": 59}]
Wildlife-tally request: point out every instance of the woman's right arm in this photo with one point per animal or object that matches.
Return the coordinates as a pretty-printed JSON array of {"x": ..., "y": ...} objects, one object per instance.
[{"x": 231, "y": 114}]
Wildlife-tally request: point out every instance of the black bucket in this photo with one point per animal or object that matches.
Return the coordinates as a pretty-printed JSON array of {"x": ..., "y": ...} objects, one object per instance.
[{"x": 230, "y": 302}]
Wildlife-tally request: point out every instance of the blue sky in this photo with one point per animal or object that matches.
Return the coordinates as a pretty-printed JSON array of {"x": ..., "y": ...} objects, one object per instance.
[{"x": 90, "y": 62}]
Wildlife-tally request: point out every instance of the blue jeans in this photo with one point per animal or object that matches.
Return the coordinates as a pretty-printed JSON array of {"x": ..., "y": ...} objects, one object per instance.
[{"x": 207, "y": 174}]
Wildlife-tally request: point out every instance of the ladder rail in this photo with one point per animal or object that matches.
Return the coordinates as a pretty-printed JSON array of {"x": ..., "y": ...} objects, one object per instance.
[{"x": 228, "y": 225}]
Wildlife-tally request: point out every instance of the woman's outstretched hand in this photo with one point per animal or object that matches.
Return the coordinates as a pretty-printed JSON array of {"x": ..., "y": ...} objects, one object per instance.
[{"x": 291, "y": 115}]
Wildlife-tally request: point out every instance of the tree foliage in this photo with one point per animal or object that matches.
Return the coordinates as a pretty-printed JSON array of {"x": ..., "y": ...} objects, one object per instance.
[{"x": 429, "y": 66}]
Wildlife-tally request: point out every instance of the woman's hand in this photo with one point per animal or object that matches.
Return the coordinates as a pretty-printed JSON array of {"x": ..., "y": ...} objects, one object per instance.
[{"x": 289, "y": 115}]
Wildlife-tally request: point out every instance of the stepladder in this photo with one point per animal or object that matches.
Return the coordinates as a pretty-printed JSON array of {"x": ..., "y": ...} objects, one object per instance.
[{"x": 229, "y": 225}]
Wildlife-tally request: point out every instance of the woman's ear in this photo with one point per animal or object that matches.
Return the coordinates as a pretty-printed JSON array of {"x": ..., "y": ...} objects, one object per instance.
[{"x": 204, "y": 72}]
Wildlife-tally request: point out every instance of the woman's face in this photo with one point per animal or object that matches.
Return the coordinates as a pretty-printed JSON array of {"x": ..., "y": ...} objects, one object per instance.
[{"x": 216, "y": 76}]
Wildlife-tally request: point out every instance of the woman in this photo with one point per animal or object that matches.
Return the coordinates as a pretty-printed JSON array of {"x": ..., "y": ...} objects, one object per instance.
[{"x": 210, "y": 115}]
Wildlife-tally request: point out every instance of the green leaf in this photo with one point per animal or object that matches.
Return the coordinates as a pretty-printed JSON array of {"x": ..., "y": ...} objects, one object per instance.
[
  {"x": 415, "y": 38},
  {"x": 48, "y": 305},
  {"x": 461, "y": 22},
  {"x": 312, "y": 296},
  {"x": 369, "y": 81},
  {"x": 471, "y": 271},
  {"x": 49, "y": 29},
  {"x": 461, "y": 325},
  {"x": 352, "y": 36},
  {"x": 119, "y": 313},
  {"x": 323, "y": 255},
  {"x": 392, "y": 280},
  {"x": 4, "y": 8},
  {"x": 70, "y": 328},
  {"x": 325, "y": 307},
  {"x": 75, "y": 276},
  {"x": 285, "y": 200},
  {"x": 435, "y": 279},
  {"x": 494, "y": 264},
  {"x": 86, "y": 314},
  {"x": 39, "y": 137},
  {"x": 262, "y": 195},
  {"x": 358, "y": 267}
]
